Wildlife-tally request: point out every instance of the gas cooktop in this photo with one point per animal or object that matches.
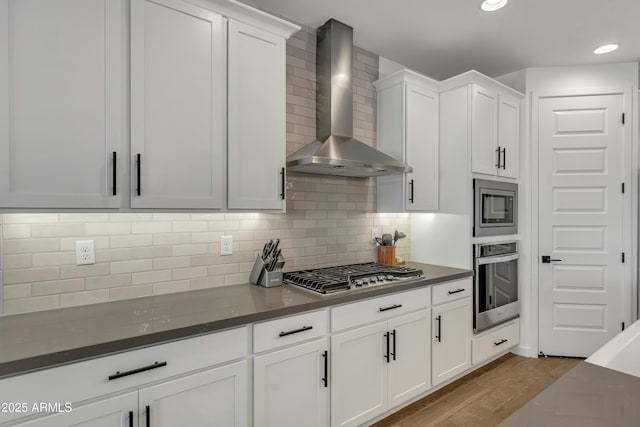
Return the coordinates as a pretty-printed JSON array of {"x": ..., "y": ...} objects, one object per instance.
[{"x": 349, "y": 277}]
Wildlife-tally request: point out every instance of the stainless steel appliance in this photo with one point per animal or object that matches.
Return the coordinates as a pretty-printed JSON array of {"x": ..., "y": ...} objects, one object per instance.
[
  {"x": 496, "y": 284},
  {"x": 349, "y": 277},
  {"x": 496, "y": 208},
  {"x": 336, "y": 151}
]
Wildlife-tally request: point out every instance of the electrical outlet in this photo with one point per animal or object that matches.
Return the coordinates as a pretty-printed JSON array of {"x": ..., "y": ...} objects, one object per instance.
[
  {"x": 374, "y": 234},
  {"x": 85, "y": 252},
  {"x": 226, "y": 245}
]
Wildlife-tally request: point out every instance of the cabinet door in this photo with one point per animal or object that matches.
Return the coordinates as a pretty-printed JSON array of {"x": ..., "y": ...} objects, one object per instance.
[
  {"x": 409, "y": 370},
  {"x": 257, "y": 121},
  {"x": 358, "y": 375},
  {"x": 422, "y": 149},
  {"x": 484, "y": 122},
  {"x": 289, "y": 387},
  {"x": 451, "y": 343},
  {"x": 509, "y": 136},
  {"x": 217, "y": 397},
  {"x": 177, "y": 101},
  {"x": 62, "y": 103},
  {"x": 118, "y": 411}
]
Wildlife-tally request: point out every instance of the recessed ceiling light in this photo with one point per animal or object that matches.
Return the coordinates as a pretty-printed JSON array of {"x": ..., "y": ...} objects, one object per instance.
[
  {"x": 493, "y": 5},
  {"x": 606, "y": 49}
]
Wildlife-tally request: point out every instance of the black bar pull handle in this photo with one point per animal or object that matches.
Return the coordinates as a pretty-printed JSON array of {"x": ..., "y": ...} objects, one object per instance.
[
  {"x": 282, "y": 184},
  {"x": 304, "y": 328},
  {"x": 504, "y": 158},
  {"x": 498, "y": 151},
  {"x": 137, "y": 370},
  {"x": 411, "y": 184},
  {"x": 114, "y": 159},
  {"x": 439, "y": 336},
  {"x": 394, "y": 344},
  {"x": 502, "y": 341},
  {"x": 130, "y": 418},
  {"x": 325, "y": 379},
  {"x": 546, "y": 259},
  {"x": 147, "y": 415},
  {"x": 393, "y": 307},
  {"x": 139, "y": 174},
  {"x": 386, "y": 356},
  {"x": 456, "y": 291}
]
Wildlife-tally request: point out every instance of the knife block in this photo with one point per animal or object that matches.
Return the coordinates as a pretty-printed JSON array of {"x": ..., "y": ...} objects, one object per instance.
[
  {"x": 387, "y": 255},
  {"x": 260, "y": 276}
]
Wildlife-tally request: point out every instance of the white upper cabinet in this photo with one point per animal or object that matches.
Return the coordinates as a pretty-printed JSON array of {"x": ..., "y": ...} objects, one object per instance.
[
  {"x": 257, "y": 118},
  {"x": 509, "y": 135},
  {"x": 495, "y": 133},
  {"x": 408, "y": 130},
  {"x": 484, "y": 132},
  {"x": 62, "y": 103},
  {"x": 177, "y": 105}
]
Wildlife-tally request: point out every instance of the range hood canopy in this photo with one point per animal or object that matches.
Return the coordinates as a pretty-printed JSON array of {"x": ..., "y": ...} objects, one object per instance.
[{"x": 336, "y": 152}]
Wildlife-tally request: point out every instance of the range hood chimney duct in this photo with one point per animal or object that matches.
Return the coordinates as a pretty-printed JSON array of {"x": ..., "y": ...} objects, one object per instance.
[{"x": 336, "y": 152}]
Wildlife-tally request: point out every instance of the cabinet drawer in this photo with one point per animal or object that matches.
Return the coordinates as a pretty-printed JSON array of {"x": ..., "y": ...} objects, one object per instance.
[
  {"x": 494, "y": 342},
  {"x": 90, "y": 378},
  {"x": 381, "y": 308},
  {"x": 289, "y": 330},
  {"x": 452, "y": 291}
]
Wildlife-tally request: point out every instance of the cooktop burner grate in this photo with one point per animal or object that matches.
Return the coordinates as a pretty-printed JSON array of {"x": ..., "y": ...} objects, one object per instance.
[{"x": 345, "y": 277}]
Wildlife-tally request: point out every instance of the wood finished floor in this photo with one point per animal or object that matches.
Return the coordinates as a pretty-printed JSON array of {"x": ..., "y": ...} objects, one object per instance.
[{"x": 486, "y": 396}]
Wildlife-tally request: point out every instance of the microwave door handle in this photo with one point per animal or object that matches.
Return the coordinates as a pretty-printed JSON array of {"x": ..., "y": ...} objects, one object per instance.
[{"x": 496, "y": 259}]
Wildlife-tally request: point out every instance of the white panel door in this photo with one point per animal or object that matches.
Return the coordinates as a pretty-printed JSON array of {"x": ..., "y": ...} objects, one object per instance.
[
  {"x": 118, "y": 411},
  {"x": 62, "y": 103},
  {"x": 451, "y": 343},
  {"x": 509, "y": 136},
  {"x": 581, "y": 223},
  {"x": 215, "y": 398},
  {"x": 289, "y": 387},
  {"x": 484, "y": 132},
  {"x": 422, "y": 149},
  {"x": 177, "y": 104},
  {"x": 257, "y": 120},
  {"x": 409, "y": 372},
  {"x": 358, "y": 375}
]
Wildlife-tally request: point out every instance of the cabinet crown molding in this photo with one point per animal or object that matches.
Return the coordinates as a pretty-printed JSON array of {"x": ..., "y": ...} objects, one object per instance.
[
  {"x": 249, "y": 15},
  {"x": 406, "y": 76},
  {"x": 473, "y": 76}
]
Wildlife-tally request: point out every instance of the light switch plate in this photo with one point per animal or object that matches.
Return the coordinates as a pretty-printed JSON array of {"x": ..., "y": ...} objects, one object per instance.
[{"x": 85, "y": 252}]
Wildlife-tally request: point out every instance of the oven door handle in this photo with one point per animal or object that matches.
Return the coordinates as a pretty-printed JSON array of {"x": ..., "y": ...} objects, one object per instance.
[{"x": 495, "y": 259}]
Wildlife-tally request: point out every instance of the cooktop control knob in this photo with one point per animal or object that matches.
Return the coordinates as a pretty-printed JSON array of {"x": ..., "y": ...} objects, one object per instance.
[
  {"x": 359, "y": 283},
  {"x": 389, "y": 277},
  {"x": 381, "y": 277}
]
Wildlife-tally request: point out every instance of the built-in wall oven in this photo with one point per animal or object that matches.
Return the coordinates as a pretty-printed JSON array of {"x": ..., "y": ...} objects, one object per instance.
[
  {"x": 496, "y": 208},
  {"x": 496, "y": 284}
]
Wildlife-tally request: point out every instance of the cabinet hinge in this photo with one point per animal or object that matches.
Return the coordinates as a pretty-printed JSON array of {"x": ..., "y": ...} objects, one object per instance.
[
  {"x": 622, "y": 118},
  {"x": 623, "y": 326},
  {"x": 623, "y": 188},
  {"x": 622, "y": 256}
]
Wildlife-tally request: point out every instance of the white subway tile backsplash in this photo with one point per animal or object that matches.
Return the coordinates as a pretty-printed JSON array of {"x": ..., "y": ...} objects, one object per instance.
[
  {"x": 84, "y": 298},
  {"x": 57, "y": 287},
  {"x": 119, "y": 267}
]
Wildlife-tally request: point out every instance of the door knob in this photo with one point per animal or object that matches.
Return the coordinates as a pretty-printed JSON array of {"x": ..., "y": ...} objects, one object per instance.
[{"x": 546, "y": 259}]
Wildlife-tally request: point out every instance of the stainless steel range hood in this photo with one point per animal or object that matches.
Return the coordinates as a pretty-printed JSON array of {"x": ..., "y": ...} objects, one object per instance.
[{"x": 336, "y": 152}]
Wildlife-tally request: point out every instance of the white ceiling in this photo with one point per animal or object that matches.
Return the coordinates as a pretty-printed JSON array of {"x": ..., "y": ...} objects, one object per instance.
[{"x": 442, "y": 38}]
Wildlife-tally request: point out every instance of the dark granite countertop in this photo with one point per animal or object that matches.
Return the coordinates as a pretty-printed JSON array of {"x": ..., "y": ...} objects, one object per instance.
[
  {"x": 586, "y": 396},
  {"x": 46, "y": 339}
]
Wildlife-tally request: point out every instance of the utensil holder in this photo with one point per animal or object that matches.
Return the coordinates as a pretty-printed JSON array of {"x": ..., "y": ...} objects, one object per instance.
[{"x": 387, "y": 255}]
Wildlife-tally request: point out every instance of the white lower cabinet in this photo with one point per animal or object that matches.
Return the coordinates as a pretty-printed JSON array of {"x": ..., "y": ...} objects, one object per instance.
[
  {"x": 451, "y": 353},
  {"x": 377, "y": 367},
  {"x": 115, "y": 411},
  {"x": 215, "y": 397},
  {"x": 290, "y": 386}
]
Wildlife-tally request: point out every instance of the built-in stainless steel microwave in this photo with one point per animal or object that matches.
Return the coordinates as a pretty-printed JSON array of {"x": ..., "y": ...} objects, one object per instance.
[{"x": 496, "y": 208}]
